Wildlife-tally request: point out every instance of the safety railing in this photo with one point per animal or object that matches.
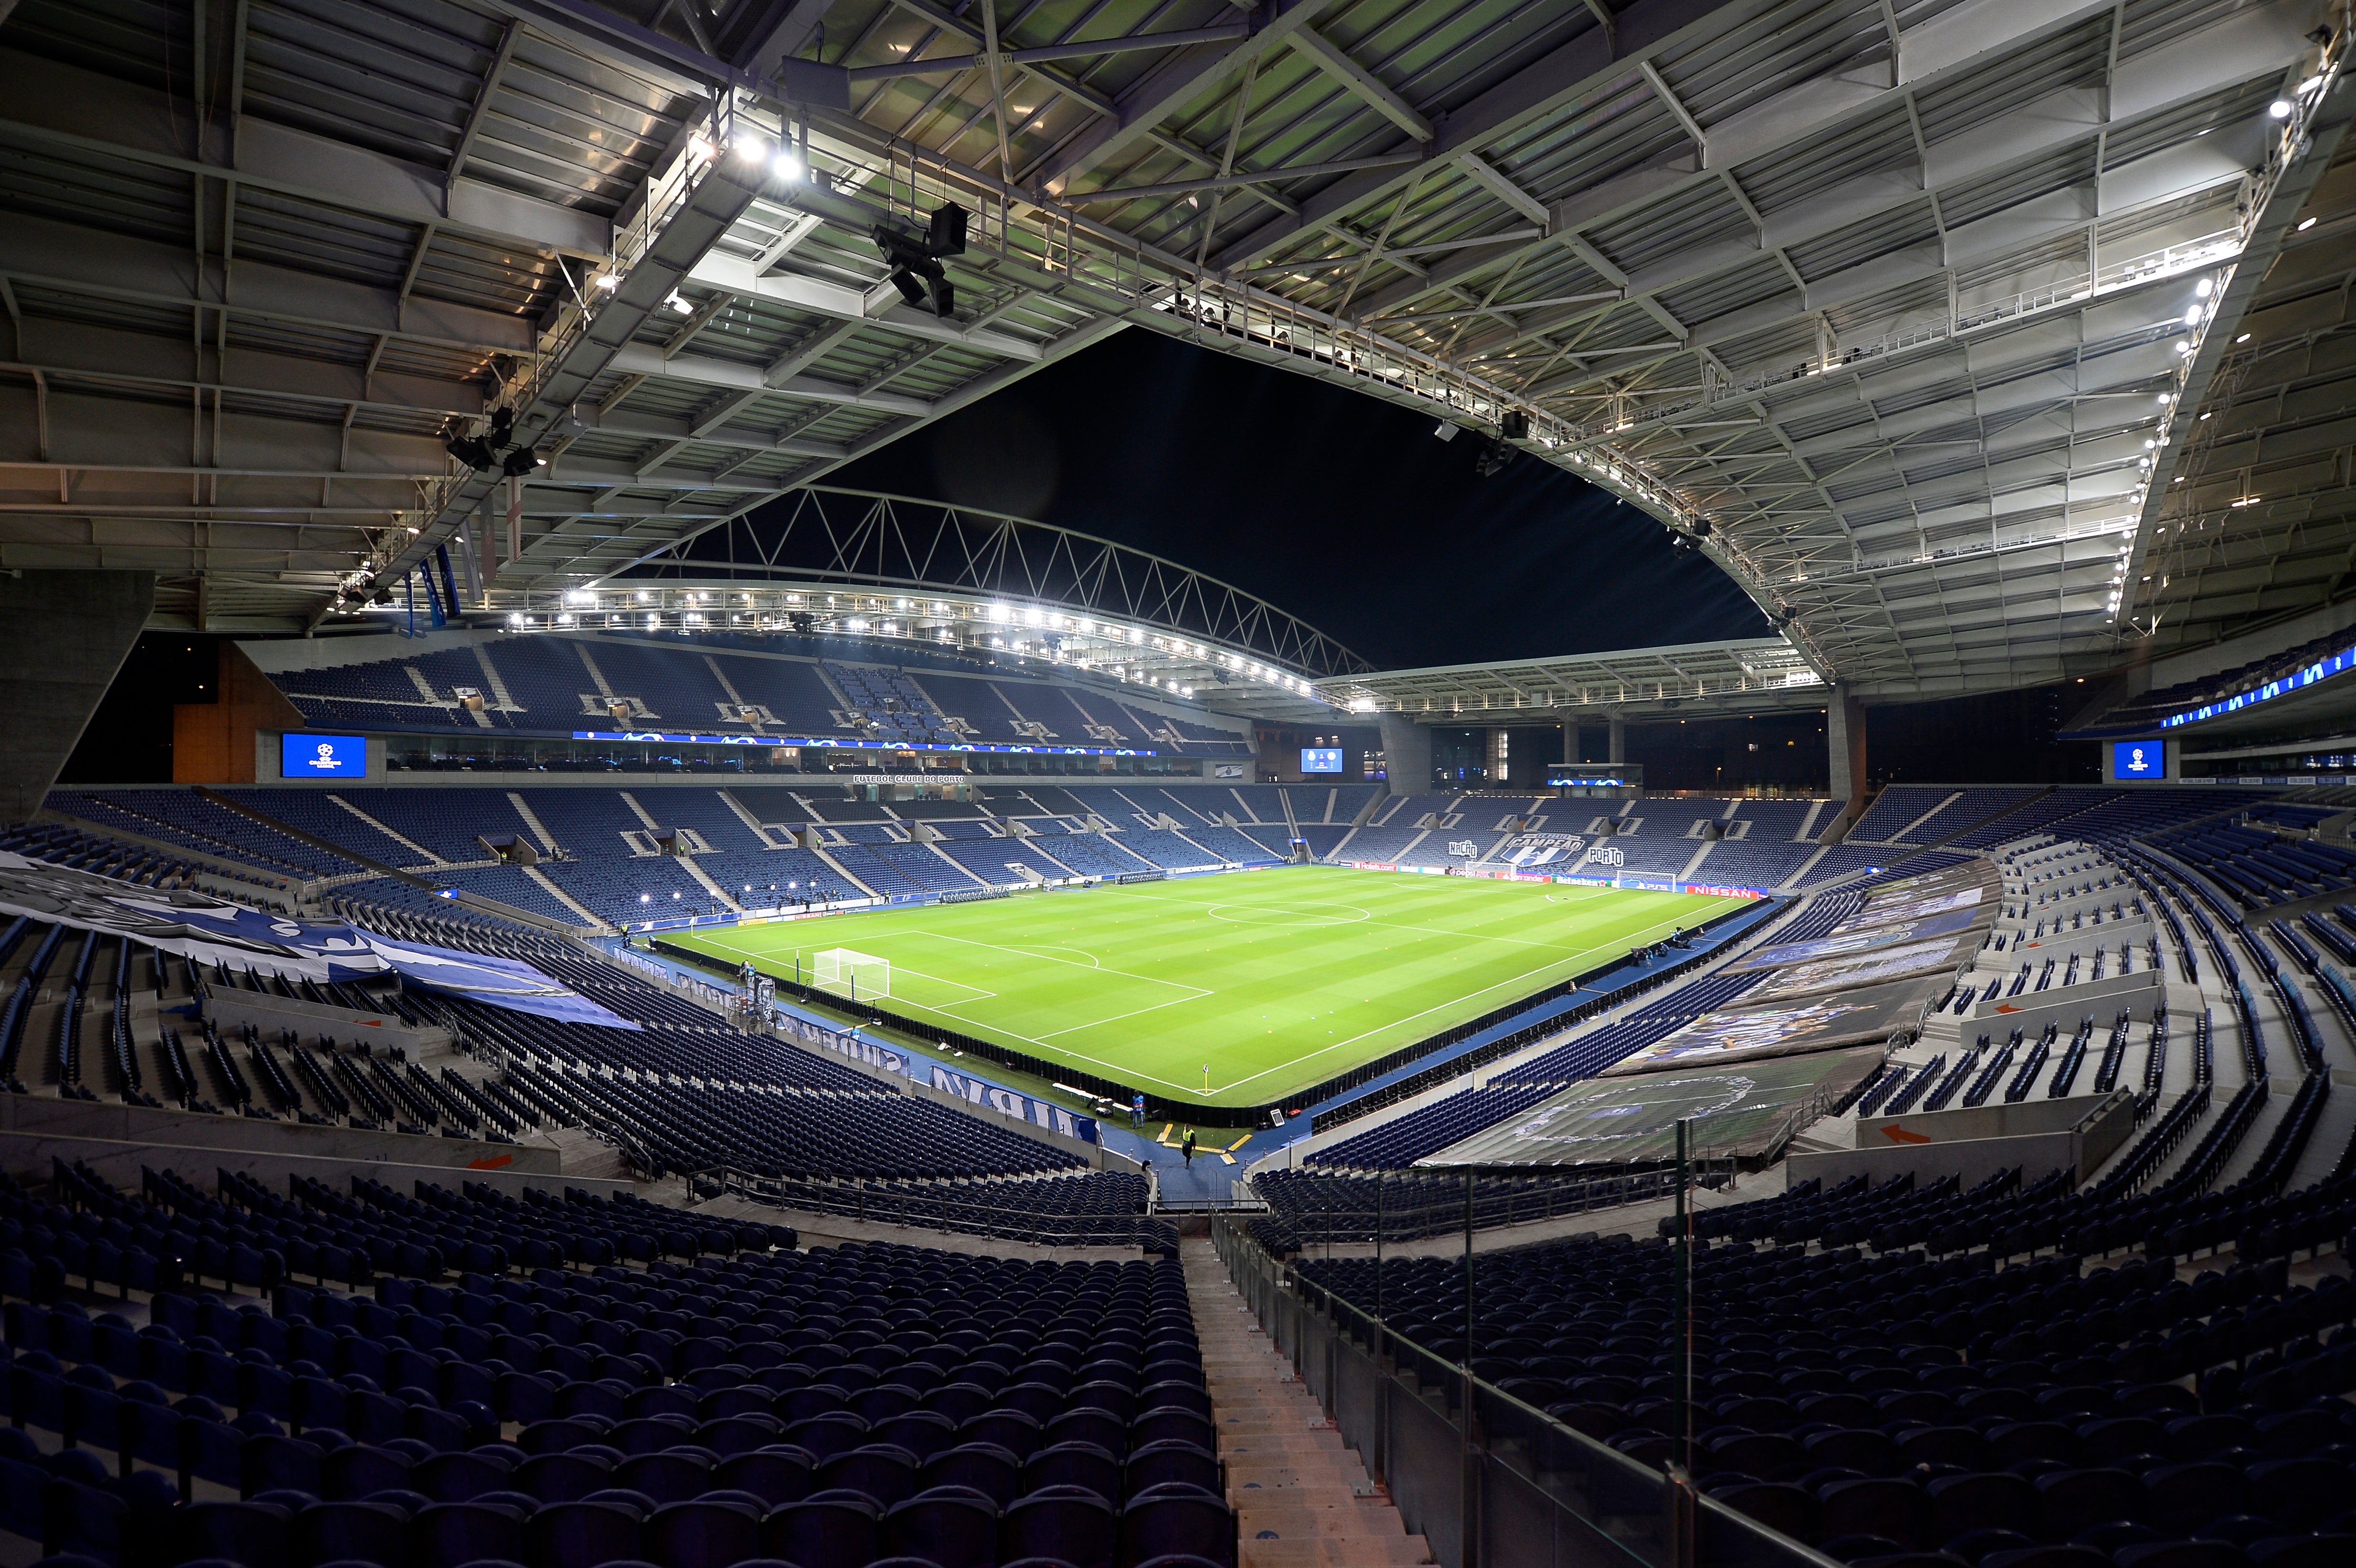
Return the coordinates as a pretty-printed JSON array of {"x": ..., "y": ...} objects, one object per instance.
[
  {"x": 572, "y": 314},
  {"x": 1301, "y": 1217},
  {"x": 1488, "y": 1480}
]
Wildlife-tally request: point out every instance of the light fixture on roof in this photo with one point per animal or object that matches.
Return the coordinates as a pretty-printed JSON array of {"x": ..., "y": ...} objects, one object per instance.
[
  {"x": 786, "y": 166},
  {"x": 2279, "y": 109},
  {"x": 699, "y": 149},
  {"x": 679, "y": 302},
  {"x": 609, "y": 280},
  {"x": 916, "y": 266},
  {"x": 2203, "y": 288},
  {"x": 750, "y": 149},
  {"x": 2305, "y": 224}
]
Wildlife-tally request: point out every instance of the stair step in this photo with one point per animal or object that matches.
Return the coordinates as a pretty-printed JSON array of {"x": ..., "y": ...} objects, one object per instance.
[
  {"x": 1356, "y": 1519},
  {"x": 1330, "y": 1551},
  {"x": 1302, "y": 1498}
]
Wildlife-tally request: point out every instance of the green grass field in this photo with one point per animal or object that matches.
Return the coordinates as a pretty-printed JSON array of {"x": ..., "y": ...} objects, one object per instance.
[{"x": 1276, "y": 980}]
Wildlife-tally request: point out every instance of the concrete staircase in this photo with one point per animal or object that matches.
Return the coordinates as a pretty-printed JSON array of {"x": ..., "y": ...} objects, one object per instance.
[{"x": 1301, "y": 1500}]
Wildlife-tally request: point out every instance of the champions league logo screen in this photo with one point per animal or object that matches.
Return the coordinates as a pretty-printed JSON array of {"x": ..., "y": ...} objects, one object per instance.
[{"x": 322, "y": 756}]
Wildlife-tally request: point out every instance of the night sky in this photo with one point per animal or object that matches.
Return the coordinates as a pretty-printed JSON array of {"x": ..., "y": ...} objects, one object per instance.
[{"x": 1341, "y": 509}]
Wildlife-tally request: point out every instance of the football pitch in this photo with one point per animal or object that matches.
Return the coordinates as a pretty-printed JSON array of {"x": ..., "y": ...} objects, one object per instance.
[{"x": 1272, "y": 980}]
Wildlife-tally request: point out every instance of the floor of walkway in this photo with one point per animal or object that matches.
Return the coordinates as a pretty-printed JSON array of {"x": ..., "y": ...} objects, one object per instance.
[{"x": 1302, "y": 1499}]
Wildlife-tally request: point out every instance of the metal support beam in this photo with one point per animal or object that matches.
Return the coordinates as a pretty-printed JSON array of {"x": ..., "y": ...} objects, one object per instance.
[
  {"x": 1674, "y": 106},
  {"x": 1078, "y": 49},
  {"x": 52, "y": 103},
  {"x": 845, "y": 304},
  {"x": 475, "y": 116},
  {"x": 1486, "y": 176},
  {"x": 1229, "y": 182},
  {"x": 1182, "y": 80},
  {"x": 1328, "y": 58}
]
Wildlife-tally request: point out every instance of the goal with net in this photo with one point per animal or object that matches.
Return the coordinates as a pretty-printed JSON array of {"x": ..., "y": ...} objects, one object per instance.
[{"x": 857, "y": 974}]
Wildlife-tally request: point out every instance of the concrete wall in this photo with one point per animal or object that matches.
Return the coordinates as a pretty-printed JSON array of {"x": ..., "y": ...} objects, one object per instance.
[
  {"x": 1406, "y": 754},
  {"x": 36, "y": 1116},
  {"x": 1964, "y": 1123},
  {"x": 1972, "y": 1161},
  {"x": 2110, "y": 936},
  {"x": 28, "y": 1156},
  {"x": 2139, "y": 994},
  {"x": 1845, "y": 735},
  {"x": 2081, "y": 1149},
  {"x": 63, "y": 636}
]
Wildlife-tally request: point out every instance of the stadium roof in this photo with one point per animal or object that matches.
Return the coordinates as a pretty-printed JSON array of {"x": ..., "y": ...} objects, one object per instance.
[
  {"x": 1884, "y": 294},
  {"x": 1750, "y": 675}
]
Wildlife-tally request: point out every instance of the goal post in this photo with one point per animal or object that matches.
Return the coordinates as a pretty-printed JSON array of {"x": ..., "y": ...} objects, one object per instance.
[{"x": 849, "y": 973}]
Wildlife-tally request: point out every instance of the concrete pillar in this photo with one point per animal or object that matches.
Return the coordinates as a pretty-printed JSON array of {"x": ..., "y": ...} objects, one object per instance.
[
  {"x": 1619, "y": 740},
  {"x": 1845, "y": 740},
  {"x": 1406, "y": 754},
  {"x": 63, "y": 635}
]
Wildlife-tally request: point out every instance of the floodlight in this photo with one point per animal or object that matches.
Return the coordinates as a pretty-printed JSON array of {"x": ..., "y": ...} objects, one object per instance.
[
  {"x": 473, "y": 451},
  {"x": 945, "y": 230},
  {"x": 916, "y": 269}
]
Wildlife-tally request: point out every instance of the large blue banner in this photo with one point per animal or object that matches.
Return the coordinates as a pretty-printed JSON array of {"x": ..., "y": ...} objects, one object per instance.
[
  {"x": 187, "y": 922},
  {"x": 209, "y": 930},
  {"x": 500, "y": 982}
]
